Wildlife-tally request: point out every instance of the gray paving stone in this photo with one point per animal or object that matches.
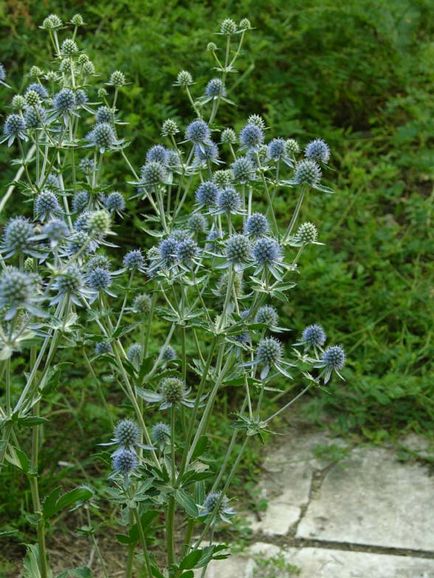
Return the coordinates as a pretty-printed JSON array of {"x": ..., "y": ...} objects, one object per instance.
[
  {"x": 324, "y": 563},
  {"x": 370, "y": 498},
  {"x": 287, "y": 482}
]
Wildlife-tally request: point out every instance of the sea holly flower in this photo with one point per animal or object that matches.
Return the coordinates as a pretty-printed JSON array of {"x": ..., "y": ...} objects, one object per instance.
[
  {"x": 308, "y": 172},
  {"x": 268, "y": 256},
  {"x": 238, "y": 251},
  {"x": 157, "y": 153},
  {"x": 135, "y": 354},
  {"x": 160, "y": 434},
  {"x": 276, "y": 149},
  {"x": 125, "y": 462},
  {"x": 18, "y": 239},
  {"x": 269, "y": 355},
  {"x": 251, "y": 137},
  {"x": 103, "y": 137},
  {"x": 47, "y": 206},
  {"x": 268, "y": 316},
  {"x": 115, "y": 202},
  {"x": 134, "y": 261},
  {"x": 317, "y": 150},
  {"x": 198, "y": 132},
  {"x": 257, "y": 226},
  {"x": 332, "y": 360},
  {"x": 228, "y": 202},
  {"x": 70, "y": 284},
  {"x": 103, "y": 348},
  {"x": 100, "y": 280},
  {"x": 243, "y": 170},
  {"x": 14, "y": 128},
  {"x": 168, "y": 354},
  {"x": 217, "y": 505},
  {"x": 18, "y": 291},
  {"x": 313, "y": 336},
  {"x": 306, "y": 234},
  {"x": 56, "y": 232},
  {"x": 206, "y": 194},
  {"x": 3, "y": 76},
  {"x": 172, "y": 392}
]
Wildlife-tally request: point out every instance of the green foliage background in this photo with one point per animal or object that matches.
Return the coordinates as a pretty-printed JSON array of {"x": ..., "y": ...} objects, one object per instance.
[{"x": 359, "y": 74}]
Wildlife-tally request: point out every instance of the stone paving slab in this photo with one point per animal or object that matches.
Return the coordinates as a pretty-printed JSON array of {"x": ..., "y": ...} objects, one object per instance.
[
  {"x": 287, "y": 482},
  {"x": 324, "y": 563},
  {"x": 370, "y": 498}
]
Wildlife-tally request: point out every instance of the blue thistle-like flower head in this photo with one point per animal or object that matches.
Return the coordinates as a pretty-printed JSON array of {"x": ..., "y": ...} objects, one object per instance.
[
  {"x": 228, "y": 136},
  {"x": 124, "y": 461},
  {"x": 104, "y": 114},
  {"x": 99, "y": 279},
  {"x": 307, "y": 172},
  {"x": 152, "y": 174},
  {"x": 80, "y": 201},
  {"x": 87, "y": 166},
  {"x": 17, "y": 236},
  {"x": 127, "y": 433},
  {"x": 257, "y": 225},
  {"x": 197, "y": 223},
  {"x": 103, "y": 348},
  {"x": 333, "y": 358},
  {"x": 115, "y": 202},
  {"x": 267, "y": 251},
  {"x": 17, "y": 291},
  {"x": 269, "y": 351},
  {"x": 69, "y": 282},
  {"x": 55, "y": 231},
  {"x": 134, "y": 260},
  {"x": 207, "y": 152},
  {"x": 186, "y": 251},
  {"x": 64, "y": 101},
  {"x": 168, "y": 251},
  {"x": 81, "y": 97},
  {"x": 215, "y": 88},
  {"x": 314, "y": 336},
  {"x": 34, "y": 116},
  {"x": 98, "y": 261},
  {"x": 172, "y": 390},
  {"x": 238, "y": 249},
  {"x": 251, "y": 136},
  {"x": 142, "y": 303},
  {"x": 157, "y": 153},
  {"x": 276, "y": 149},
  {"x": 168, "y": 353},
  {"x": 198, "y": 132},
  {"x": 243, "y": 170},
  {"x": 160, "y": 434},
  {"x": 229, "y": 200},
  {"x": 134, "y": 354},
  {"x": 117, "y": 78},
  {"x": 217, "y": 505},
  {"x": 206, "y": 194},
  {"x": 102, "y": 136},
  {"x": 46, "y": 206},
  {"x": 268, "y": 316},
  {"x": 40, "y": 90},
  {"x": 14, "y": 127},
  {"x": 317, "y": 150}
]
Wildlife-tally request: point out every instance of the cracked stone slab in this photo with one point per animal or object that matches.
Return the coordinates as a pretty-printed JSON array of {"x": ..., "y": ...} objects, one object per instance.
[
  {"x": 370, "y": 498},
  {"x": 323, "y": 563},
  {"x": 287, "y": 482}
]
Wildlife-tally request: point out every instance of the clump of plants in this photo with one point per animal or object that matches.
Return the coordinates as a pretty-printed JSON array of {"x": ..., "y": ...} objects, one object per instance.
[{"x": 213, "y": 278}]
